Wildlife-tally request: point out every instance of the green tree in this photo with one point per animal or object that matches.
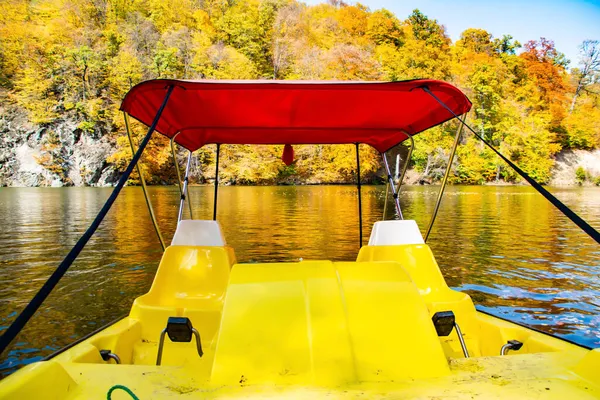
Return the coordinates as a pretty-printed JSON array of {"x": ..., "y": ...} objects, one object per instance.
[{"x": 384, "y": 28}]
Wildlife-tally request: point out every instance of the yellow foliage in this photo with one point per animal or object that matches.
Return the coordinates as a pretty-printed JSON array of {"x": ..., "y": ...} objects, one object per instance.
[
  {"x": 353, "y": 19},
  {"x": 76, "y": 60},
  {"x": 583, "y": 126}
]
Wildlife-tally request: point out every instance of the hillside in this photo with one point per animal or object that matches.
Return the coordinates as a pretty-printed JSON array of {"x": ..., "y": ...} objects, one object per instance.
[{"x": 66, "y": 64}]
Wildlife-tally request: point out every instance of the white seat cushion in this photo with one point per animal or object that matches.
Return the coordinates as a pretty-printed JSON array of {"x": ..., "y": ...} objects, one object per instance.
[
  {"x": 387, "y": 233},
  {"x": 196, "y": 232}
]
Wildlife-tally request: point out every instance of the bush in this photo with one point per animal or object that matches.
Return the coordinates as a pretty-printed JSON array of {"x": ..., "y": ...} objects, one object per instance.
[
  {"x": 580, "y": 175},
  {"x": 87, "y": 126}
]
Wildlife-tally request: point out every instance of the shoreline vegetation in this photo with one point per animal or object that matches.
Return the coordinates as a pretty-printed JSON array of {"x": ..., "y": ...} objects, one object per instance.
[{"x": 65, "y": 66}]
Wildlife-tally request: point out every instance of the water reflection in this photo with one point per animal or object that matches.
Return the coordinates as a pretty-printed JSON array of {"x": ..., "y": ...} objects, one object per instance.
[{"x": 505, "y": 246}]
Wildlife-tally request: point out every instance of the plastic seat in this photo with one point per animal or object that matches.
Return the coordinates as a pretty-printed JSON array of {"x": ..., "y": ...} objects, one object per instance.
[
  {"x": 197, "y": 232},
  {"x": 388, "y": 233},
  {"x": 191, "y": 281}
]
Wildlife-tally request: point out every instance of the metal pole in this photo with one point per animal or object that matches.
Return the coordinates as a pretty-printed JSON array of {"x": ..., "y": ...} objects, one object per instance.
[
  {"x": 360, "y": 233},
  {"x": 143, "y": 182},
  {"x": 175, "y": 162},
  {"x": 446, "y": 175},
  {"x": 198, "y": 342},
  {"x": 161, "y": 343},
  {"x": 404, "y": 168},
  {"x": 387, "y": 192},
  {"x": 462, "y": 341},
  {"x": 185, "y": 186},
  {"x": 187, "y": 190},
  {"x": 179, "y": 174},
  {"x": 216, "y": 182},
  {"x": 408, "y": 158},
  {"x": 392, "y": 186}
]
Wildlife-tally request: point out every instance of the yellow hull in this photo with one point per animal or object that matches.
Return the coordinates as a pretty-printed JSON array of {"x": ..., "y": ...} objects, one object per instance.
[{"x": 313, "y": 328}]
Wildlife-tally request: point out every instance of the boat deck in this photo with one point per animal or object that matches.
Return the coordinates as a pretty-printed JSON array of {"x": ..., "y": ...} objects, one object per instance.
[
  {"x": 314, "y": 328},
  {"x": 530, "y": 376}
]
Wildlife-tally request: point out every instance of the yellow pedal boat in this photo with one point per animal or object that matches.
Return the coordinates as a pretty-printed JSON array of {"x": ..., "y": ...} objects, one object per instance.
[{"x": 384, "y": 325}]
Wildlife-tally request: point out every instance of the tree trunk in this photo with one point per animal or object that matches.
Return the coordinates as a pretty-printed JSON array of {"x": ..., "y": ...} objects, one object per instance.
[
  {"x": 83, "y": 81},
  {"x": 426, "y": 172},
  {"x": 579, "y": 84}
]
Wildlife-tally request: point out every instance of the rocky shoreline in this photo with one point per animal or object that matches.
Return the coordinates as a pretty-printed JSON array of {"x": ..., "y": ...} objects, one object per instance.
[{"x": 24, "y": 145}]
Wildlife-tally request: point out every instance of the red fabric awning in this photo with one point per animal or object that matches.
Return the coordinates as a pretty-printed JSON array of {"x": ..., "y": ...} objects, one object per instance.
[{"x": 294, "y": 112}]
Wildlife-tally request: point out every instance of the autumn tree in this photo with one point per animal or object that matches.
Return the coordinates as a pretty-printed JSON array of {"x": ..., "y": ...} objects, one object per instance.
[
  {"x": 288, "y": 38},
  {"x": 476, "y": 41},
  {"x": 589, "y": 73},
  {"x": 546, "y": 66},
  {"x": 75, "y": 60},
  {"x": 384, "y": 28},
  {"x": 425, "y": 51}
]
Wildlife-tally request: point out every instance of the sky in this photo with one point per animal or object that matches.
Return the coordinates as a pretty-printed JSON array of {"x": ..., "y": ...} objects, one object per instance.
[{"x": 567, "y": 23}]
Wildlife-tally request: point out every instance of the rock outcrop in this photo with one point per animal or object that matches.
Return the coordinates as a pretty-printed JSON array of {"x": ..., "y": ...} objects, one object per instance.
[
  {"x": 55, "y": 154},
  {"x": 567, "y": 163}
]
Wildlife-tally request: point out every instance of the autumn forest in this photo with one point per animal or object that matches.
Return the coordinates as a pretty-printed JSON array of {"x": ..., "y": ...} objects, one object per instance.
[{"x": 75, "y": 60}]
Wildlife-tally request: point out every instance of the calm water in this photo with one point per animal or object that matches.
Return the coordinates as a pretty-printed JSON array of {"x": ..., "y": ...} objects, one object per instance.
[{"x": 505, "y": 246}]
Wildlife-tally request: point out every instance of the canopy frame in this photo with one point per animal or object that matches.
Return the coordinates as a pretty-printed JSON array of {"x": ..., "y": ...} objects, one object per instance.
[
  {"x": 390, "y": 179},
  {"x": 218, "y": 152},
  {"x": 176, "y": 164},
  {"x": 445, "y": 180},
  {"x": 401, "y": 178},
  {"x": 186, "y": 180},
  {"x": 17, "y": 325},
  {"x": 360, "y": 224},
  {"x": 292, "y": 112},
  {"x": 143, "y": 184}
]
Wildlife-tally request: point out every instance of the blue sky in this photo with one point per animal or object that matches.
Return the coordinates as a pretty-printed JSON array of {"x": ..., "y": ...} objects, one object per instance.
[{"x": 568, "y": 23}]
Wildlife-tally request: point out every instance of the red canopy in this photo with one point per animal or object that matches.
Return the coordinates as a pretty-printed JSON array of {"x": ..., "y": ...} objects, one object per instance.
[{"x": 380, "y": 114}]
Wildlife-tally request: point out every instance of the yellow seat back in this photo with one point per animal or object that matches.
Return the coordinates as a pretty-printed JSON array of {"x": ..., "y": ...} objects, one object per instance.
[
  {"x": 190, "y": 276},
  {"x": 191, "y": 281},
  {"x": 416, "y": 259},
  {"x": 420, "y": 264}
]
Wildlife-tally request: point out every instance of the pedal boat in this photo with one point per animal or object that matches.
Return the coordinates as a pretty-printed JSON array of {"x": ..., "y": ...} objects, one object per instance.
[{"x": 383, "y": 325}]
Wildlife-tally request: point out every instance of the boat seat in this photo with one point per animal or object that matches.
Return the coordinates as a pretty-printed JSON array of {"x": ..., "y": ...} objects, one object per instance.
[
  {"x": 190, "y": 282},
  {"x": 386, "y": 233},
  {"x": 420, "y": 264},
  {"x": 197, "y": 232},
  {"x": 325, "y": 323}
]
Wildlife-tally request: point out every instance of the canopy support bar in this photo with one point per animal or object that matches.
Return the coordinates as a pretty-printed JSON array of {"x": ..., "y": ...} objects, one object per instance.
[
  {"x": 35, "y": 303},
  {"x": 176, "y": 164},
  {"x": 391, "y": 182},
  {"x": 408, "y": 158},
  {"x": 387, "y": 192},
  {"x": 445, "y": 180},
  {"x": 401, "y": 179},
  {"x": 186, "y": 180},
  {"x": 143, "y": 182},
  {"x": 360, "y": 224},
  {"x": 216, "y": 182},
  {"x": 179, "y": 174},
  {"x": 577, "y": 220}
]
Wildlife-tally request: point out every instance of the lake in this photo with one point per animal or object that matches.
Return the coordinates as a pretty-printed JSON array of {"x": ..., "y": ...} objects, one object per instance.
[{"x": 507, "y": 247}]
